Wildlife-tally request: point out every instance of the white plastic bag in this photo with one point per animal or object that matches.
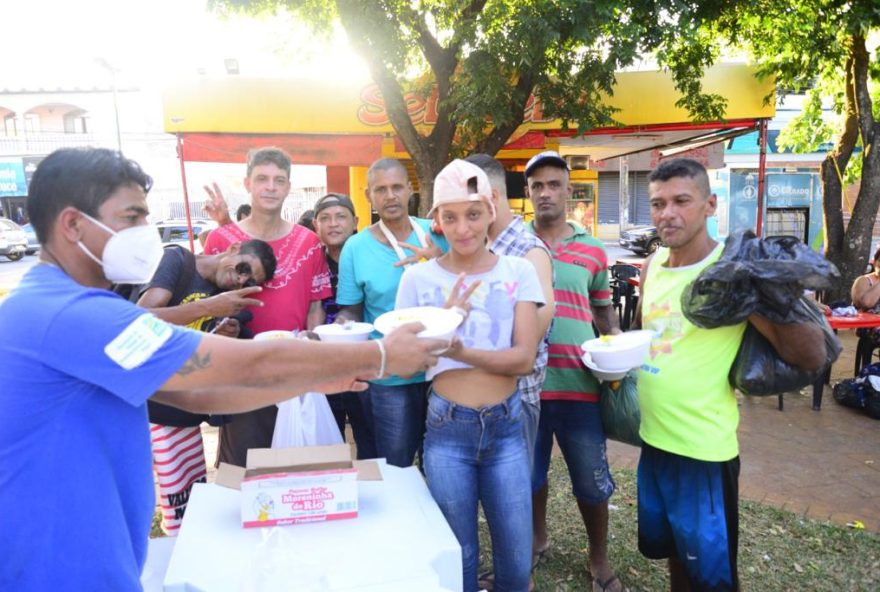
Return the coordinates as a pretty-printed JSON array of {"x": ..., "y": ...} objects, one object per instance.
[{"x": 305, "y": 421}]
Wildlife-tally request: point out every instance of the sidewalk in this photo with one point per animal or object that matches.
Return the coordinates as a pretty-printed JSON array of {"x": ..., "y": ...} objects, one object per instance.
[{"x": 822, "y": 464}]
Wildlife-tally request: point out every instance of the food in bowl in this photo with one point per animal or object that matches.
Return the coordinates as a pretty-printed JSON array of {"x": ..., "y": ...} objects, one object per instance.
[
  {"x": 276, "y": 334},
  {"x": 337, "y": 332},
  {"x": 615, "y": 352},
  {"x": 440, "y": 323}
]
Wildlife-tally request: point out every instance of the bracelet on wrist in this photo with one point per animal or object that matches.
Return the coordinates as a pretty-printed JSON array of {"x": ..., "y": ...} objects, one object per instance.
[{"x": 383, "y": 356}]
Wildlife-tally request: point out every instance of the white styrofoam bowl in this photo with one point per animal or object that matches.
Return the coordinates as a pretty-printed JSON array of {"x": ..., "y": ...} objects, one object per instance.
[
  {"x": 339, "y": 333},
  {"x": 604, "y": 375},
  {"x": 440, "y": 323},
  {"x": 614, "y": 352}
]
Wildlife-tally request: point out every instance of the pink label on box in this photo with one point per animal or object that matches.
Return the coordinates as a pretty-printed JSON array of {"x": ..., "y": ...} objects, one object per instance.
[{"x": 300, "y": 520}]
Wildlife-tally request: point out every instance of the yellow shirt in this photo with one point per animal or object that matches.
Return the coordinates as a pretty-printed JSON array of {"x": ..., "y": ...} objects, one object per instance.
[{"x": 687, "y": 405}]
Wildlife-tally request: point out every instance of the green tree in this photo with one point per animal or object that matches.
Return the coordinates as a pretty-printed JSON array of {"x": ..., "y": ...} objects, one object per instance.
[
  {"x": 487, "y": 57},
  {"x": 822, "y": 47}
]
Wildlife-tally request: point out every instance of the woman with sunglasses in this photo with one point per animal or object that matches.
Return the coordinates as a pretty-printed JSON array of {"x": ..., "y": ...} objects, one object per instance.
[{"x": 475, "y": 451}]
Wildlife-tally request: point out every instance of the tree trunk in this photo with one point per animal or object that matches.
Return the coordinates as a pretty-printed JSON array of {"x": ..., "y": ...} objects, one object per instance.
[{"x": 849, "y": 249}]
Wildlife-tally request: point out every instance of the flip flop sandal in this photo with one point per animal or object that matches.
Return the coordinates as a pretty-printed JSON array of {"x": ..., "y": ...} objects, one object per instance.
[
  {"x": 538, "y": 557},
  {"x": 486, "y": 580},
  {"x": 604, "y": 585}
]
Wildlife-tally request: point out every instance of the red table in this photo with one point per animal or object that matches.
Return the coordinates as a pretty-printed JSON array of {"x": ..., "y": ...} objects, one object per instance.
[
  {"x": 863, "y": 320},
  {"x": 864, "y": 348}
]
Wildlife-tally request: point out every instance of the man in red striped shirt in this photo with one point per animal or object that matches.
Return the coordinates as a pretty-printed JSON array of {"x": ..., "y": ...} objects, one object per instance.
[{"x": 570, "y": 395}]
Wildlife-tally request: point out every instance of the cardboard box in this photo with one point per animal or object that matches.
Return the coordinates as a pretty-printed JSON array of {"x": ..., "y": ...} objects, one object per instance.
[{"x": 296, "y": 485}]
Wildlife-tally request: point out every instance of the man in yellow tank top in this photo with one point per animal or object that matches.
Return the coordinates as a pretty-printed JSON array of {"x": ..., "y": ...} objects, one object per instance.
[{"x": 689, "y": 467}]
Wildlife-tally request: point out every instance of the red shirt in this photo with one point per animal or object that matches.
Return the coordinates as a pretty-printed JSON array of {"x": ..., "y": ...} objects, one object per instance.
[{"x": 301, "y": 276}]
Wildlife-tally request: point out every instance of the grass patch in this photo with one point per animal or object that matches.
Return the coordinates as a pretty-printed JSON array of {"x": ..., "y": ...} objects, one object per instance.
[{"x": 778, "y": 550}]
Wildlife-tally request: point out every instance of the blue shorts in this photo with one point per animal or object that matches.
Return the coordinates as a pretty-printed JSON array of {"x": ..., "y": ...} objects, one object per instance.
[
  {"x": 578, "y": 430},
  {"x": 688, "y": 509}
]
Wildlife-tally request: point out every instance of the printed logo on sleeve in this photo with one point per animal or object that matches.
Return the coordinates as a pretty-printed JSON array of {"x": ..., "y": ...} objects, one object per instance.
[{"x": 138, "y": 342}]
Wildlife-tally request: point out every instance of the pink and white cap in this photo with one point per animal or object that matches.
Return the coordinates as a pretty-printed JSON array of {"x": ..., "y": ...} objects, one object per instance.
[{"x": 461, "y": 181}]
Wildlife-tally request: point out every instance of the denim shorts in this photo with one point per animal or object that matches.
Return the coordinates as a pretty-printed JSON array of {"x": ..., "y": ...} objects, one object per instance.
[{"x": 577, "y": 426}]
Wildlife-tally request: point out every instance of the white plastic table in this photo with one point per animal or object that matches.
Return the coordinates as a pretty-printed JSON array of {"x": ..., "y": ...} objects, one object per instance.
[{"x": 399, "y": 541}]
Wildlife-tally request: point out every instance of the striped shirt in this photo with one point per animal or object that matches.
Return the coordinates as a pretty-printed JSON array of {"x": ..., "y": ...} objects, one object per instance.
[
  {"x": 516, "y": 240},
  {"x": 580, "y": 266}
]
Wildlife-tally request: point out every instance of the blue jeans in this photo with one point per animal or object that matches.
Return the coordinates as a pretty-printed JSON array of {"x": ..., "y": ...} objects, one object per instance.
[
  {"x": 398, "y": 415},
  {"x": 354, "y": 406},
  {"x": 479, "y": 456}
]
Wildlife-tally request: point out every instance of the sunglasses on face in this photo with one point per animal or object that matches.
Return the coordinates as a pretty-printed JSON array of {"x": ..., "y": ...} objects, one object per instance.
[{"x": 245, "y": 269}]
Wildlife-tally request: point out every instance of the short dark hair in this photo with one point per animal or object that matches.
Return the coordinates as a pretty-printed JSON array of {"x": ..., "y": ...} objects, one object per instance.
[
  {"x": 385, "y": 164},
  {"x": 268, "y": 155},
  {"x": 493, "y": 169},
  {"x": 243, "y": 211},
  {"x": 682, "y": 167},
  {"x": 307, "y": 219},
  {"x": 262, "y": 251},
  {"x": 876, "y": 255},
  {"x": 83, "y": 178}
]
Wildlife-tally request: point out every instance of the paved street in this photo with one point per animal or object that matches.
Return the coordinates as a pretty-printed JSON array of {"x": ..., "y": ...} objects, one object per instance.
[{"x": 11, "y": 272}]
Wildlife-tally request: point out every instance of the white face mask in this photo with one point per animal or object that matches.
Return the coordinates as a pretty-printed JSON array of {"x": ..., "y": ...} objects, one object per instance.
[{"x": 131, "y": 256}]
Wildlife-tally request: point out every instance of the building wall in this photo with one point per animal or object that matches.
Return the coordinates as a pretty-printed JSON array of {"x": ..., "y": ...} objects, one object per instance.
[{"x": 34, "y": 123}]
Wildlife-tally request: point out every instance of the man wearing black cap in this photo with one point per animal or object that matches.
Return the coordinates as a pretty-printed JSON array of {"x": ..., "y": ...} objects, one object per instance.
[
  {"x": 570, "y": 394},
  {"x": 335, "y": 221}
]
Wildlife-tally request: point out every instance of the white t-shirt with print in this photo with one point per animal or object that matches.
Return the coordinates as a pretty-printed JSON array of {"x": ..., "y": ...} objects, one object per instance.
[{"x": 489, "y": 326}]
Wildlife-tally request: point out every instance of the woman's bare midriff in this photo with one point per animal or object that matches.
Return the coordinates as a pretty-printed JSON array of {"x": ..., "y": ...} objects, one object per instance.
[{"x": 472, "y": 387}]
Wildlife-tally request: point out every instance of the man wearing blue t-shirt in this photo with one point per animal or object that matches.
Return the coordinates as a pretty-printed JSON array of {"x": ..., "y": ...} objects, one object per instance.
[
  {"x": 370, "y": 268},
  {"x": 80, "y": 362}
]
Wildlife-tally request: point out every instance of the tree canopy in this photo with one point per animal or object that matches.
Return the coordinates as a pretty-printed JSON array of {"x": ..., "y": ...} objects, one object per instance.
[
  {"x": 487, "y": 57},
  {"x": 829, "y": 50}
]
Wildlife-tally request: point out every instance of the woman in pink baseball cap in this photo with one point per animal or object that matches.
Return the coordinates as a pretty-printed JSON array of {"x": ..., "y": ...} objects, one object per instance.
[{"x": 475, "y": 449}]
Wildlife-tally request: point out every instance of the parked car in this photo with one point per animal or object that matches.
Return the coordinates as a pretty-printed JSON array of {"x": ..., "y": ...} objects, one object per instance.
[
  {"x": 33, "y": 245},
  {"x": 643, "y": 240},
  {"x": 175, "y": 232},
  {"x": 13, "y": 240}
]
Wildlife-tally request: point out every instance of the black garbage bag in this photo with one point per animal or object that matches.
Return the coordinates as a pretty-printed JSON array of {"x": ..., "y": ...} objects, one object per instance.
[
  {"x": 869, "y": 380},
  {"x": 849, "y": 393},
  {"x": 872, "y": 403},
  {"x": 767, "y": 276},
  {"x": 619, "y": 409},
  {"x": 758, "y": 370}
]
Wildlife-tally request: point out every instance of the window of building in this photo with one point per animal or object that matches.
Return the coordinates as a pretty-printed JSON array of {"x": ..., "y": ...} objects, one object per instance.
[
  {"x": 32, "y": 123},
  {"x": 77, "y": 122},
  {"x": 10, "y": 125}
]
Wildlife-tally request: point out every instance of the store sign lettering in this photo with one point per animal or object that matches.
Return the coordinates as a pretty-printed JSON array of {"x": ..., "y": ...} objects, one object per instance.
[{"x": 12, "y": 178}]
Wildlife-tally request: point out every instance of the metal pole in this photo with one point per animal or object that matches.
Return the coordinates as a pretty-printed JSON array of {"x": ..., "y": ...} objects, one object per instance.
[
  {"x": 189, "y": 226},
  {"x": 623, "y": 192},
  {"x": 762, "y": 169},
  {"x": 116, "y": 109}
]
